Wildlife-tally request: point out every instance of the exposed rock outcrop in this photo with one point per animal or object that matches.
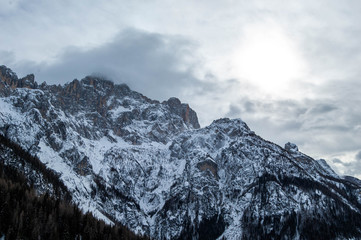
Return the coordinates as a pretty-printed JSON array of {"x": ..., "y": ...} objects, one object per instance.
[
  {"x": 183, "y": 110},
  {"x": 150, "y": 166}
]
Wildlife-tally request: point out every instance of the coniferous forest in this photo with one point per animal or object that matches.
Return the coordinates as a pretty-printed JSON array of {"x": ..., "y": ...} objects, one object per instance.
[{"x": 24, "y": 214}]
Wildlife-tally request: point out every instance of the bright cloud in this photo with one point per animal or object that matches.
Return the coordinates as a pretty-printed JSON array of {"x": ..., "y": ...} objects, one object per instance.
[{"x": 289, "y": 69}]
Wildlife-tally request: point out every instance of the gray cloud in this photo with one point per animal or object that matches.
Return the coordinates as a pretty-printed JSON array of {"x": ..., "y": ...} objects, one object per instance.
[
  {"x": 358, "y": 156},
  {"x": 320, "y": 127},
  {"x": 356, "y": 166},
  {"x": 322, "y": 109},
  {"x": 161, "y": 66},
  {"x": 336, "y": 160},
  {"x": 156, "y": 65},
  {"x": 353, "y": 168},
  {"x": 249, "y": 106},
  {"x": 324, "y": 122},
  {"x": 234, "y": 111},
  {"x": 7, "y": 56}
]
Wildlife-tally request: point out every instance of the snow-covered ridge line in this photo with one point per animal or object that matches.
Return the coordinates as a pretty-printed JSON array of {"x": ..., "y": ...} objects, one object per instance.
[{"x": 149, "y": 165}]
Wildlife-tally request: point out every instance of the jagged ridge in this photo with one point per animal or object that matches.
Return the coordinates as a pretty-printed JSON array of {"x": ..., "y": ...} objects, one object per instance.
[{"x": 148, "y": 165}]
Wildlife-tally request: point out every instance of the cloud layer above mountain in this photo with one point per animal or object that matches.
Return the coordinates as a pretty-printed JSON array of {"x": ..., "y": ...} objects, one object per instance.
[{"x": 290, "y": 70}]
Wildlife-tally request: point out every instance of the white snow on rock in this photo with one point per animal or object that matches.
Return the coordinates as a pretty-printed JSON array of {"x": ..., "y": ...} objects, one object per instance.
[{"x": 140, "y": 162}]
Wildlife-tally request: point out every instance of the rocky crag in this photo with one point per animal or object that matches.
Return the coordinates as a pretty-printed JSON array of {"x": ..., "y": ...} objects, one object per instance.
[{"x": 149, "y": 165}]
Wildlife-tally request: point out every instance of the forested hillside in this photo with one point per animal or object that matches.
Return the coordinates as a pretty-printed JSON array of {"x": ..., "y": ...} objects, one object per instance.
[{"x": 26, "y": 215}]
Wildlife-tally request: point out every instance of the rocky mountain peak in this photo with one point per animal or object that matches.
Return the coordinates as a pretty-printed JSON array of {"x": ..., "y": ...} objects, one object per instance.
[
  {"x": 183, "y": 110},
  {"x": 291, "y": 147},
  {"x": 10, "y": 79},
  {"x": 146, "y": 164},
  {"x": 106, "y": 106},
  {"x": 97, "y": 82},
  {"x": 95, "y": 94},
  {"x": 7, "y": 77},
  {"x": 7, "y": 74}
]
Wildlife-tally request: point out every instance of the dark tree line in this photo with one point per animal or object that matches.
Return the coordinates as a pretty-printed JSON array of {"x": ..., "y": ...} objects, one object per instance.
[
  {"x": 335, "y": 220},
  {"x": 60, "y": 190},
  {"x": 24, "y": 215}
]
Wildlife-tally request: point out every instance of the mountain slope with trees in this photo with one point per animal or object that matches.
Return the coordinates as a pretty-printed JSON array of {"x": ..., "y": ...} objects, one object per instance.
[
  {"x": 150, "y": 166},
  {"x": 24, "y": 214}
]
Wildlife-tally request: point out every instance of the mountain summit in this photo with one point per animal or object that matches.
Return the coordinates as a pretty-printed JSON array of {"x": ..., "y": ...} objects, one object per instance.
[{"x": 149, "y": 165}]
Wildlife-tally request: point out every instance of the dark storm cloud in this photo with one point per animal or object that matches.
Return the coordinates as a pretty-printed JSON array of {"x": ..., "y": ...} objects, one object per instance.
[{"x": 156, "y": 65}]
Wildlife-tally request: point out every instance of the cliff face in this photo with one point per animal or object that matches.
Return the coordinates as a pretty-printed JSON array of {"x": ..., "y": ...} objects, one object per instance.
[
  {"x": 183, "y": 110},
  {"x": 9, "y": 78},
  {"x": 150, "y": 166}
]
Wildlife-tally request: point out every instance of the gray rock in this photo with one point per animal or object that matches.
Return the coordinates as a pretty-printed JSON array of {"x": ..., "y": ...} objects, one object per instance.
[{"x": 150, "y": 166}]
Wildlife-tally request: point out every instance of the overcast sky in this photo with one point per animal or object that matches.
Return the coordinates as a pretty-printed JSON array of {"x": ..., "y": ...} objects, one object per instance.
[{"x": 289, "y": 69}]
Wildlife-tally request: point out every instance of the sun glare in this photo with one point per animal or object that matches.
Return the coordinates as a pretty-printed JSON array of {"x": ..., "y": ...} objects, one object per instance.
[{"x": 268, "y": 58}]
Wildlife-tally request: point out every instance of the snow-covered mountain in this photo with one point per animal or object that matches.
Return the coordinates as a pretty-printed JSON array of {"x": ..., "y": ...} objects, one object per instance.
[{"x": 149, "y": 165}]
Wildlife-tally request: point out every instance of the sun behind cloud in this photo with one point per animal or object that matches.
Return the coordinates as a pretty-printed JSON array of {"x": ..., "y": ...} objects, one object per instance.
[{"x": 269, "y": 59}]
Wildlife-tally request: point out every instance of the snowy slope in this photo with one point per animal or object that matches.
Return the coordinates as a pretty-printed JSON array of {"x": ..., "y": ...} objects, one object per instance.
[{"x": 148, "y": 165}]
